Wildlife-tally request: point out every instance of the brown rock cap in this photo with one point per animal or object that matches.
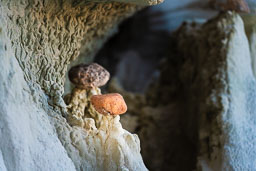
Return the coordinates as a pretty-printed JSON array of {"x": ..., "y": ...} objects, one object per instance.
[
  {"x": 112, "y": 103},
  {"x": 238, "y": 6},
  {"x": 87, "y": 76}
]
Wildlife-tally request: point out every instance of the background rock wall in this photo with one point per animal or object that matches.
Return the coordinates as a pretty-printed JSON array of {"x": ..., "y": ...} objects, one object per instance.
[
  {"x": 198, "y": 111},
  {"x": 221, "y": 93}
]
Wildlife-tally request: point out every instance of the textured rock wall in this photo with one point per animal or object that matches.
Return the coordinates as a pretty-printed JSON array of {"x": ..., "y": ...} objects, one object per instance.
[
  {"x": 250, "y": 30},
  {"x": 221, "y": 91},
  {"x": 38, "y": 41},
  {"x": 48, "y": 36},
  {"x": 28, "y": 139},
  {"x": 200, "y": 110}
]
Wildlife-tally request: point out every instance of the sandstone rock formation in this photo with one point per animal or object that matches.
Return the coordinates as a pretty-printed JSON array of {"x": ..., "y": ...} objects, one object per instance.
[
  {"x": 222, "y": 86},
  {"x": 38, "y": 40},
  {"x": 198, "y": 115}
]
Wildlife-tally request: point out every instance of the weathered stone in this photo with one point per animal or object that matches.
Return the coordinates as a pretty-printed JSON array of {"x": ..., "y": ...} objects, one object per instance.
[
  {"x": 221, "y": 92},
  {"x": 38, "y": 41},
  {"x": 238, "y": 5},
  {"x": 87, "y": 76},
  {"x": 234, "y": 5},
  {"x": 113, "y": 104}
]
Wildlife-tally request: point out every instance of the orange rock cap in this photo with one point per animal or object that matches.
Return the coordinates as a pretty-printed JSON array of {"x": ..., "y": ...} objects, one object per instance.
[{"x": 112, "y": 103}]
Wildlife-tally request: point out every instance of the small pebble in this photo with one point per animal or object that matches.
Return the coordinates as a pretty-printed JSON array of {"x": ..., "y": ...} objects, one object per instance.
[
  {"x": 86, "y": 76},
  {"x": 112, "y": 103}
]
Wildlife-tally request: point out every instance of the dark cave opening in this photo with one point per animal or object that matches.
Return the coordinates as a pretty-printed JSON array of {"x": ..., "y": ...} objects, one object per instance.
[
  {"x": 134, "y": 54},
  {"x": 144, "y": 64}
]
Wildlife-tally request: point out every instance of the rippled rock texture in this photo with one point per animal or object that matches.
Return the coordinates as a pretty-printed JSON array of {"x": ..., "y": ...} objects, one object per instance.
[{"x": 38, "y": 40}]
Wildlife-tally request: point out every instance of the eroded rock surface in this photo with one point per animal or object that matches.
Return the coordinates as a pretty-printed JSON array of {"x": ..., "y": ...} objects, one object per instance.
[
  {"x": 223, "y": 88},
  {"x": 38, "y": 41},
  {"x": 101, "y": 141}
]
